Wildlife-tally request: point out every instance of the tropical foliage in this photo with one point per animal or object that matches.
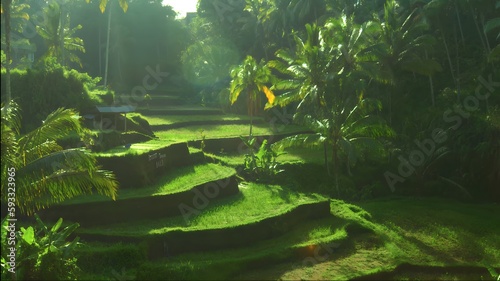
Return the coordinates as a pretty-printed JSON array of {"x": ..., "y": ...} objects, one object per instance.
[
  {"x": 59, "y": 37},
  {"x": 43, "y": 252},
  {"x": 45, "y": 172},
  {"x": 250, "y": 79}
]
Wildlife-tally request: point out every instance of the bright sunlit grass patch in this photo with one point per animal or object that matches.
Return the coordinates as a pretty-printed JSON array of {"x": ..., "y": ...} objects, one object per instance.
[
  {"x": 179, "y": 180},
  {"x": 219, "y": 131},
  {"x": 173, "y": 119},
  {"x": 195, "y": 132},
  {"x": 223, "y": 264},
  {"x": 254, "y": 203},
  {"x": 425, "y": 232}
]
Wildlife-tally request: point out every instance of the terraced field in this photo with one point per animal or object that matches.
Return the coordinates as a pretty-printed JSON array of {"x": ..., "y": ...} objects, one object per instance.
[{"x": 190, "y": 216}]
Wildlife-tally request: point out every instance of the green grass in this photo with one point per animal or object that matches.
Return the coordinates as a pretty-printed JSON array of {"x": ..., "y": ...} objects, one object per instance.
[
  {"x": 441, "y": 231},
  {"x": 225, "y": 264},
  {"x": 431, "y": 232},
  {"x": 219, "y": 131},
  {"x": 290, "y": 155},
  {"x": 172, "y": 119},
  {"x": 255, "y": 202},
  {"x": 190, "y": 133},
  {"x": 179, "y": 180}
]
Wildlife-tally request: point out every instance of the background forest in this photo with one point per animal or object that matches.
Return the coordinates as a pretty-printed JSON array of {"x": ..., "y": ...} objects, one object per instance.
[
  {"x": 430, "y": 66},
  {"x": 367, "y": 100}
]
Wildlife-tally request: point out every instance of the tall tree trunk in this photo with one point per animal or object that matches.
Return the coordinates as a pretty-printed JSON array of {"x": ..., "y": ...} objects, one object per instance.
[
  {"x": 459, "y": 24},
  {"x": 432, "y": 90},
  {"x": 488, "y": 44},
  {"x": 100, "y": 52},
  {"x": 61, "y": 33},
  {"x": 8, "y": 55},
  {"x": 325, "y": 152},
  {"x": 458, "y": 67},
  {"x": 390, "y": 105},
  {"x": 452, "y": 71},
  {"x": 107, "y": 50},
  {"x": 250, "y": 110},
  {"x": 474, "y": 17},
  {"x": 431, "y": 84},
  {"x": 335, "y": 166}
]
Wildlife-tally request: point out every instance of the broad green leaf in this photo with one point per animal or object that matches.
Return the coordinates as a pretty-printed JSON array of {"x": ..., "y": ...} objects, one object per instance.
[
  {"x": 56, "y": 226},
  {"x": 491, "y": 25},
  {"x": 28, "y": 235}
]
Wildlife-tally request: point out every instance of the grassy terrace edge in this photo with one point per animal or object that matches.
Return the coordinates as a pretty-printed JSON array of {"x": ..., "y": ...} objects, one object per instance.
[
  {"x": 177, "y": 181},
  {"x": 191, "y": 134},
  {"x": 298, "y": 243},
  {"x": 172, "y": 242},
  {"x": 135, "y": 233}
]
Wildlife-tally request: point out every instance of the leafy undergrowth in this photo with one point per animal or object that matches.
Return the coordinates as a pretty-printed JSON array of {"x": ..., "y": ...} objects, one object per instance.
[
  {"x": 292, "y": 155},
  {"x": 254, "y": 203},
  {"x": 180, "y": 179},
  {"x": 430, "y": 232}
]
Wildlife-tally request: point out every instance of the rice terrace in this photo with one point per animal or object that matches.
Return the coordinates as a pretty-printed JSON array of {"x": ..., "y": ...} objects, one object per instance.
[{"x": 250, "y": 140}]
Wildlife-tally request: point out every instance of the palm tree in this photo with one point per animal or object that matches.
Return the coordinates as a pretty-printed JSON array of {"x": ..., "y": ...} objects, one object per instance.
[
  {"x": 102, "y": 7},
  {"x": 59, "y": 38},
  {"x": 405, "y": 45},
  {"x": 45, "y": 173},
  {"x": 18, "y": 16},
  {"x": 17, "y": 19},
  {"x": 329, "y": 72},
  {"x": 6, "y": 7},
  {"x": 351, "y": 134},
  {"x": 308, "y": 69},
  {"x": 251, "y": 77}
]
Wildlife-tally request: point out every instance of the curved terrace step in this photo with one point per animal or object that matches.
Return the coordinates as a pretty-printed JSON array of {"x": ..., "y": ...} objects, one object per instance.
[
  {"x": 147, "y": 203},
  {"x": 406, "y": 269},
  {"x": 179, "y": 110},
  {"x": 307, "y": 241},
  {"x": 302, "y": 244},
  {"x": 139, "y": 169},
  {"x": 177, "y": 125},
  {"x": 175, "y": 241}
]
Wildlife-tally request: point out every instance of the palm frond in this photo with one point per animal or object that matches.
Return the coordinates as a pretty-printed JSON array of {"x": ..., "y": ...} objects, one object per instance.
[
  {"x": 59, "y": 161},
  {"x": 11, "y": 116},
  {"x": 38, "y": 193},
  {"x": 55, "y": 127},
  {"x": 301, "y": 140},
  {"x": 38, "y": 151}
]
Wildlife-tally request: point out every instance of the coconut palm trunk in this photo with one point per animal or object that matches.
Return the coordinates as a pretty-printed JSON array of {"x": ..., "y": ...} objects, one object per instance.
[
  {"x": 250, "y": 107},
  {"x": 7, "y": 5},
  {"x": 335, "y": 165},
  {"x": 106, "y": 65}
]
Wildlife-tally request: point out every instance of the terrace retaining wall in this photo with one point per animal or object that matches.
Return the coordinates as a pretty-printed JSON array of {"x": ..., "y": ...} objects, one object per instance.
[
  {"x": 138, "y": 170},
  {"x": 133, "y": 209},
  {"x": 178, "y": 242}
]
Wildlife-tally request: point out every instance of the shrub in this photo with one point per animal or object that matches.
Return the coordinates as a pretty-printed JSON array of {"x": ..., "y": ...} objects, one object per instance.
[
  {"x": 104, "y": 259},
  {"x": 47, "y": 87},
  {"x": 261, "y": 164},
  {"x": 43, "y": 253}
]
